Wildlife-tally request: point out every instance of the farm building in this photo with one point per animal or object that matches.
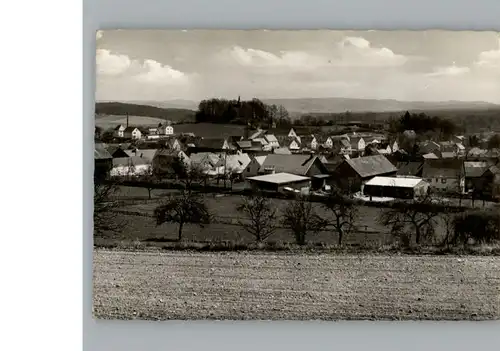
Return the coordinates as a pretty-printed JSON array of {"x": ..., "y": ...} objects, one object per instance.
[
  {"x": 352, "y": 173},
  {"x": 277, "y": 182},
  {"x": 303, "y": 165},
  {"x": 395, "y": 187},
  {"x": 445, "y": 175}
]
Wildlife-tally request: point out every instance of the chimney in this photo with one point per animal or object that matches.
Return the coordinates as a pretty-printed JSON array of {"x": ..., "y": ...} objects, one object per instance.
[{"x": 127, "y": 120}]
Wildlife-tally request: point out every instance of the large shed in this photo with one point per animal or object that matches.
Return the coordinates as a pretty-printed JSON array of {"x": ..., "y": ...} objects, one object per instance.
[
  {"x": 277, "y": 182},
  {"x": 395, "y": 187}
]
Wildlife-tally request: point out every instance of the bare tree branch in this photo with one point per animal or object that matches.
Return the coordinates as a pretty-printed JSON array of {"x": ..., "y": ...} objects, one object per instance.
[{"x": 262, "y": 217}]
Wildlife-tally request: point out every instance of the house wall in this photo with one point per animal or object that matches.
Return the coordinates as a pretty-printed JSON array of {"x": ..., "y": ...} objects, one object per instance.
[
  {"x": 136, "y": 134},
  {"x": 169, "y": 130},
  {"x": 446, "y": 184},
  {"x": 389, "y": 191},
  {"x": 252, "y": 169},
  {"x": 346, "y": 178},
  {"x": 361, "y": 144}
]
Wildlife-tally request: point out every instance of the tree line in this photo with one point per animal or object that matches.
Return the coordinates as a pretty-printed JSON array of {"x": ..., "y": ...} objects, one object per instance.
[
  {"x": 252, "y": 112},
  {"x": 425, "y": 125}
]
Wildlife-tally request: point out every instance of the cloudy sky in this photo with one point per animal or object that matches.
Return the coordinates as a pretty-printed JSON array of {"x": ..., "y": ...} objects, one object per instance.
[{"x": 164, "y": 65}]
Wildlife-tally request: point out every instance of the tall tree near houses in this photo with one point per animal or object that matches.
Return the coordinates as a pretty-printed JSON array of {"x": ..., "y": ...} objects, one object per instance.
[
  {"x": 343, "y": 213},
  {"x": 260, "y": 217}
]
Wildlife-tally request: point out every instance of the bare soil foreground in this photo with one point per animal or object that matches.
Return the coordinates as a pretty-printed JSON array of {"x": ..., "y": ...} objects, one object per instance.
[{"x": 249, "y": 285}]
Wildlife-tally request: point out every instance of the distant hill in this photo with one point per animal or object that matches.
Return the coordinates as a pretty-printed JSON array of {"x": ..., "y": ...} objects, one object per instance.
[
  {"x": 340, "y": 105},
  {"x": 301, "y": 106},
  {"x": 145, "y": 110}
]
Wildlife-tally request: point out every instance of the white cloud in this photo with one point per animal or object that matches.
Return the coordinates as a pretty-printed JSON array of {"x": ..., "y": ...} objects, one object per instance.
[
  {"x": 147, "y": 71},
  {"x": 449, "y": 71},
  {"x": 155, "y": 72},
  {"x": 263, "y": 59},
  {"x": 357, "y": 51},
  {"x": 489, "y": 59},
  {"x": 111, "y": 64}
]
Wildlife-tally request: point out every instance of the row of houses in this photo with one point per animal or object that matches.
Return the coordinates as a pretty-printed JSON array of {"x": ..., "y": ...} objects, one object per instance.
[
  {"x": 351, "y": 174},
  {"x": 136, "y": 133}
]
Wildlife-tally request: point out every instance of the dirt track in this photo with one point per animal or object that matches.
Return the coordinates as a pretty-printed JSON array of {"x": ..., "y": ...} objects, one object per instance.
[{"x": 182, "y": 285}]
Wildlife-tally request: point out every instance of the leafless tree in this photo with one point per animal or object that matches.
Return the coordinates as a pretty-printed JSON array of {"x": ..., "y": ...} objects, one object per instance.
[
  {"x": 185, "y": 208},
  {"x": 105, "y": 218},
  {"x": 416, "y": 217},
  {"x": 148, "y": 179},
  {"x": 261, "y": 217},
  {"x": 343, "y": 211},
  {"x": 188, "y": 175},
  {"x": 301, "y": 218}
]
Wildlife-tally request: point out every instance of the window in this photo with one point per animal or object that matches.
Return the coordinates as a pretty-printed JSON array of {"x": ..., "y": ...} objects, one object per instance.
[{"x": 248, "y": 169}]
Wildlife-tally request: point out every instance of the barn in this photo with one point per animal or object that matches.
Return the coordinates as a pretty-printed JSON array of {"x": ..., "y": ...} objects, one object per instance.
[
  {"x": 277, "y": 182},
  {"x": 396, "y": 187},
  {"x": 351, "y": 174}
]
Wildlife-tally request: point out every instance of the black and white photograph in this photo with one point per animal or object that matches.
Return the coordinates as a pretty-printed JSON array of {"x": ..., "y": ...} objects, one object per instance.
[{"x": 296, "y": 175}]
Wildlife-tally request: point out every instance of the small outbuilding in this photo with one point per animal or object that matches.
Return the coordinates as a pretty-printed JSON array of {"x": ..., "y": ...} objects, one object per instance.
[
  {"x": 395, "y": 187},
  {"x": 277, "y": 182}
]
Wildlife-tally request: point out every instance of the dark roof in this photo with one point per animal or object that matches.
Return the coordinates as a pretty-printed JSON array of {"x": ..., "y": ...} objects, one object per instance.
[
  {"x": 475, "y": 169},
  {"x": 306, "y": 139},
  {"x": 130, "y": 129},
  {"x": 282, "y": 151},
  {"x": 211, "y": 143},
  {"x": 294, "y": 164},
  {"x": 345, "y": 143},
  {"x": 100, "y": 153},
  {"x": 442, "y": 168},
  {"x": 409, "y": 168},
  {"x": 371, "y": 165},
  {"x": 244, "y": 144}
]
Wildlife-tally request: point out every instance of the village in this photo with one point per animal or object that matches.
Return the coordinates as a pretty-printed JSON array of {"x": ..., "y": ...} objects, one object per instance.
[{"x": 370, "y": 165}]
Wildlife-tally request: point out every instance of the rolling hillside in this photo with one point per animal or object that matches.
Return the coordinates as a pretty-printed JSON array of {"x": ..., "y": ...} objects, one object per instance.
[{"x": 178, "y": 115}]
